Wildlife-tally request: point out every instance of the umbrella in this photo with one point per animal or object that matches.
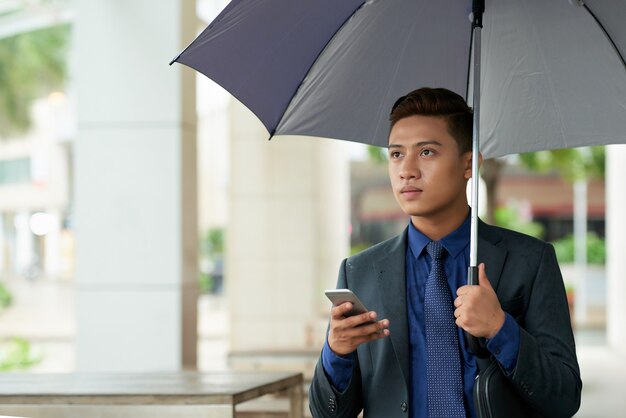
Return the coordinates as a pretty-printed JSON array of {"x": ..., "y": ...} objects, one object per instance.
[{"x": 554, "y": 71}]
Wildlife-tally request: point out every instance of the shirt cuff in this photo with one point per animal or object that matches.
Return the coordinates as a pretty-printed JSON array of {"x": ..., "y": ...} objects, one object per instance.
[
  {"x": 505, "y": 344},
  {"x": 338, "y": 369}
]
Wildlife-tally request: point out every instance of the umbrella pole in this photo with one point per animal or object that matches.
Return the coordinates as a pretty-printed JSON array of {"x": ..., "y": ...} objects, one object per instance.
[
  {"x": 476, "y": 345},
  {"x": 472, "y": 273},
  {"x": 478, "y": 8}
]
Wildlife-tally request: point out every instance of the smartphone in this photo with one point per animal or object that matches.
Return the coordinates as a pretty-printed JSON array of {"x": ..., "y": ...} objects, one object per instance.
[{"x": 339, "y": 296}]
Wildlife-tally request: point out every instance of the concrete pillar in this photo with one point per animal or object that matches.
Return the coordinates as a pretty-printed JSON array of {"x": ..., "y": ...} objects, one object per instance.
[
  {"x": 135, "y": 187},
  {"x": 24, "y": 244},
  {"x": 287, "y": 234},
  {"x": 52, "y": 245},
  {"x": 616, "y": 246},
  {"x": 213, "y": 154}
]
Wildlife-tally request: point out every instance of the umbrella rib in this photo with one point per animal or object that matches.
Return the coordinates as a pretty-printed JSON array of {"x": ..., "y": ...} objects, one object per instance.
[
  {"x": 297, "y": 90},
  {"x": 469, "y": 64},
  {"x": 219, "y": 17},
  {"x": 619, "y": 54}
]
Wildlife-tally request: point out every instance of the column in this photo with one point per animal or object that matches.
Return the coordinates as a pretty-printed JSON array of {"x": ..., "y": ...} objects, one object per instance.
[
  {"x": 52, "y": 244},
  {"x": 23, "y": 244},
  {"x": 287, "y": 233},
  {"x": 616, "y": 246},
  {"x": 135, "y": 187}
]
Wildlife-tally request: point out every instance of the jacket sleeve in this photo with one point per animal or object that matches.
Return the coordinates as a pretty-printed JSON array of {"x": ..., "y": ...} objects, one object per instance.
[
  {"x": 547, "y": 373},
  {"x": 324, "y": 399}
]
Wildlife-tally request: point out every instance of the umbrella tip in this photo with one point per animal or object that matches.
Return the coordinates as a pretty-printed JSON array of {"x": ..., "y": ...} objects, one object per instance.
[{"x": 175, "y": 58}]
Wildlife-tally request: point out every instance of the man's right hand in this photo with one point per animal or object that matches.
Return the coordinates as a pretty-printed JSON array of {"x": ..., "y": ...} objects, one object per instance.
[{"x": 347, "y": 333}]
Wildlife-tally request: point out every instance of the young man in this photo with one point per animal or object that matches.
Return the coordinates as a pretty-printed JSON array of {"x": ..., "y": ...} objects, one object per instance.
[{"x": 408, "y": 355}]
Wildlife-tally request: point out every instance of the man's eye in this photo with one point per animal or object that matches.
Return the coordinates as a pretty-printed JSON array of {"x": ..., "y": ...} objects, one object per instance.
[
  {"x": 394, "y": 154},
  {"x": 427, "y": 152}
]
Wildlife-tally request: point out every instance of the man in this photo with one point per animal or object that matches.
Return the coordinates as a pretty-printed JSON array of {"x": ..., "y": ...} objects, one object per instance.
[{"x": 408, "y": 356}]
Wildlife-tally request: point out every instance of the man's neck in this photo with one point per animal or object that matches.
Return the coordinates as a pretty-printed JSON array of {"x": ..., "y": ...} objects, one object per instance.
[{"x": 442, "y": 224}]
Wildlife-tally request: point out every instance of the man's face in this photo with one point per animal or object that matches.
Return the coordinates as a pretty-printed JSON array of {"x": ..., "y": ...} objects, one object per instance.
[{"x": 427, "y": 173}]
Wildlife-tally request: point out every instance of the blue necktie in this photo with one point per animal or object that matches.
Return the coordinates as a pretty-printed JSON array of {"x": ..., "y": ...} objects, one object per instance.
[{"x": 443, "y": 358}]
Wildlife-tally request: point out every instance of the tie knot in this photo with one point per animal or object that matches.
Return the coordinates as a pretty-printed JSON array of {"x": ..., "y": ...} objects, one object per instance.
[{"x": 435, "y": 250}]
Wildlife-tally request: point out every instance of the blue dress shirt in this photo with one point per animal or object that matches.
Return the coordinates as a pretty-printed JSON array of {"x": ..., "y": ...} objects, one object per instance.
[{"x": 504, "y": 345}]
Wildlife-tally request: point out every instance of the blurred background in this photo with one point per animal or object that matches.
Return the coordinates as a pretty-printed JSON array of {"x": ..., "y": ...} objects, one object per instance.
[{"x": 146, "y": 223}]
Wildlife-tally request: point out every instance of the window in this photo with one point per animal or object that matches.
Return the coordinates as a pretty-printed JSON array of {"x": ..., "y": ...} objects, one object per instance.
[{"x": 15, "y": 171}]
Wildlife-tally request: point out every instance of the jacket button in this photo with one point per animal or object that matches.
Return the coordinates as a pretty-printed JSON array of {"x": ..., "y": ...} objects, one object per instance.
[{"x": 404, "y": 407}]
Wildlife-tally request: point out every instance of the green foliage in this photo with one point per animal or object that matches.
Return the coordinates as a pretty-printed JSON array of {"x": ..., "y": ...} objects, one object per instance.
[
  {"x": 213, "y": 242},
  {"x": 571, "y": 163},
  {"x": 377, "y": 155},
  {"x": 596, "y": 249},
  {"x": 32, "y": 65},
  {"x": 508, "y": 217},
  {"x": 16, "y": 354},
  {"x": 5, "y": 297},
  {"x": 206, "y": 282},
  {"x": 211, "y": 252}
]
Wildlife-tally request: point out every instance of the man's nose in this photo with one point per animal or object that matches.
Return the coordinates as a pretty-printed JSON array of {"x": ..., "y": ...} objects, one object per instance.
[{"x": 409, "y": 170}]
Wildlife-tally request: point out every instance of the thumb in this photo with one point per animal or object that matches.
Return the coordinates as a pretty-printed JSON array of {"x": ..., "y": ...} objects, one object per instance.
[{"x": 482, "y": 277}]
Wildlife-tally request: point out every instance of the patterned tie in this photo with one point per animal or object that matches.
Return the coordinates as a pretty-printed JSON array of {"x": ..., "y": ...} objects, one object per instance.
[{"x": 443, "y": 358}]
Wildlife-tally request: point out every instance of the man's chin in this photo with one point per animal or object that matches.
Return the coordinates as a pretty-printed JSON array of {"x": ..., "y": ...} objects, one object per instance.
[
  {"x": 420, "y": 212},
  {"x": 423, "y": 210},
  {"x": 432, "y": 211}
]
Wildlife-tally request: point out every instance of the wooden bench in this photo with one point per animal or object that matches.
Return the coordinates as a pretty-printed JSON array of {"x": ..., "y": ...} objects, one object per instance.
[{"x": 139, "y": 395}]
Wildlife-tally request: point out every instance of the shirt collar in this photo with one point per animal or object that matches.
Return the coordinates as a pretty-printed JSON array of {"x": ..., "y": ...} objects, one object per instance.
[{"x": 454, "y": 242}]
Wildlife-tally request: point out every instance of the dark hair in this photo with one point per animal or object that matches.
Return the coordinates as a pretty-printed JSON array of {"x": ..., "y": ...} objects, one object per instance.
[{"x": 442, "y": 103}]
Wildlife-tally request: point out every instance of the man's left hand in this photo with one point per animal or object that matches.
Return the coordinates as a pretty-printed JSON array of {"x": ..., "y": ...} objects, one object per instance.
[{"x": 478, "y": 310}]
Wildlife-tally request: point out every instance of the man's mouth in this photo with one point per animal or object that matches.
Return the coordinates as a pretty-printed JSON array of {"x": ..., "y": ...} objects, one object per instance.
[{"x": 410, "y": 189}]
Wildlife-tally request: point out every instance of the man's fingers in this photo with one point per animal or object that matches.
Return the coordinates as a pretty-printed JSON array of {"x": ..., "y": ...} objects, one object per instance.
[
  {"x": 462, "y": 290},
  {"x": 365, "y": 330},
  {"x": 360, "y": 319},
  {"x": 339, "y": 311},
  {"x": 378, "y": 335},
  {"x": 371, "y": 337},
  {"x": 482, "y": 277},
  {"x": 347, "y": 339},
  {"x": 368, "y": 329}
]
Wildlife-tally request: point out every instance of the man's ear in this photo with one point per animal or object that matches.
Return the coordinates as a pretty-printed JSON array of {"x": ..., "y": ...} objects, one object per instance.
[{"x": 468, "y": 164}]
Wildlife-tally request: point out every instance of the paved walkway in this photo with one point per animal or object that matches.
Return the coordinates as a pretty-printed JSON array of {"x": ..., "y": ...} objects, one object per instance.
[
  {"x": 603, "y": 373},
  {"x": 43, "y": 312}
]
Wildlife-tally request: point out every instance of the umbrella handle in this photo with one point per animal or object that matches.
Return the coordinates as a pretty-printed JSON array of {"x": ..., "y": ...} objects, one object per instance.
[{"x": 478, "y": 346}]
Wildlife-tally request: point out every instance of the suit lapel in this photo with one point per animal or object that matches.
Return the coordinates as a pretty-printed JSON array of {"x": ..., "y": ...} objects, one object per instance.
[
  {"x": 490, "y": 253},
  {"x": 390, "y": 269}
]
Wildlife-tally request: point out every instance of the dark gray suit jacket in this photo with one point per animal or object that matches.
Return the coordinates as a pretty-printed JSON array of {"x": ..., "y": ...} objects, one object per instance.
[{"x": 526, "y": 277}]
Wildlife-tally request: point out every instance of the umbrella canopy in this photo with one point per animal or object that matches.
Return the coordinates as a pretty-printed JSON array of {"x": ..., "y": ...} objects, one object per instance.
[{"x": 553, "y": 72}]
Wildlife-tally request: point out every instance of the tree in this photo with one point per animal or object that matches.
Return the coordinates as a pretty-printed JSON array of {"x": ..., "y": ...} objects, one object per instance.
[
  {"x": 32, "y": 65},
  {"x": 571, "y": 163}
]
